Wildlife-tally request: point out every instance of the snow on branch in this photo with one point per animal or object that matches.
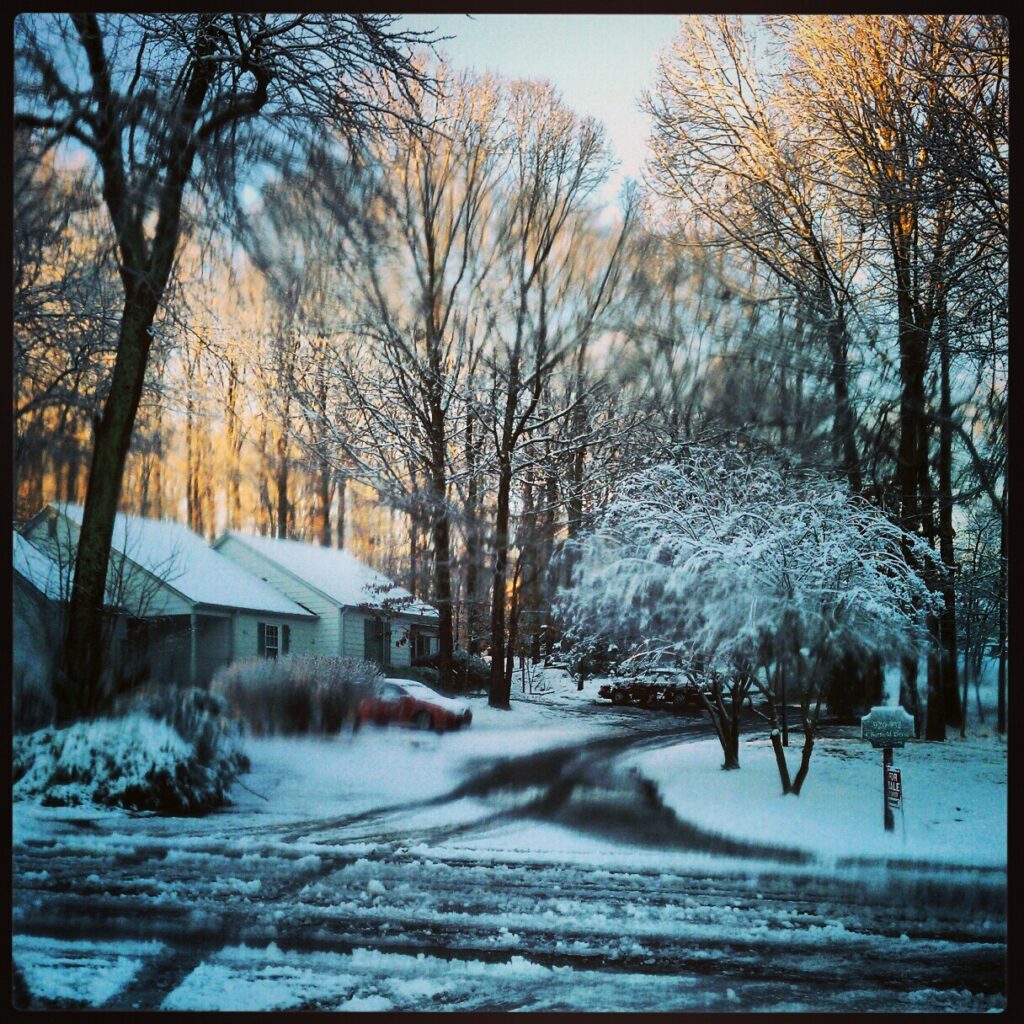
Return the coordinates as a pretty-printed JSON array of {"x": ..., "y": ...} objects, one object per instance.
[{"x": 738, "y": 558}]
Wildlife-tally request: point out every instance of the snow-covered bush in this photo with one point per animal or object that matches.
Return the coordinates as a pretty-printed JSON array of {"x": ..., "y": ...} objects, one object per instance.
[
  {"x": 469, "y": 672},
  {"x": 295, "y": 694},
  {"x": 202, "y": 719},
  {"x": 134, "y": 762},
  {"x": 744, "y": 567},
  {"x": 588, "y": 655},
  {"x": 429, "y": 676}
]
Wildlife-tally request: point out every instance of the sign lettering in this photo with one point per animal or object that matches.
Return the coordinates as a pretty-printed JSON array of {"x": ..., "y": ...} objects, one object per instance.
[
  {"x": 893, "y": 787},
  {"x": 887, "y": 727}
]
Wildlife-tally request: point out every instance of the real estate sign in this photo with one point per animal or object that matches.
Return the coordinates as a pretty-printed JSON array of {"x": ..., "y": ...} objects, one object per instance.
[{"x": 893, "y": 787}]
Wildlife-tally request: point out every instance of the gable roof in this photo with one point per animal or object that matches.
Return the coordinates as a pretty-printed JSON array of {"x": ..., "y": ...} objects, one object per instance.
[
  {"x": 188, "y": 565},
  {"x": 335, "y": 573},
  {"x": 40, "y": 570}
]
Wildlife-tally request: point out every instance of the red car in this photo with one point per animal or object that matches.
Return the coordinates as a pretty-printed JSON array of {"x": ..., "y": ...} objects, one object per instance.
[{"x": 407, "y": 702}]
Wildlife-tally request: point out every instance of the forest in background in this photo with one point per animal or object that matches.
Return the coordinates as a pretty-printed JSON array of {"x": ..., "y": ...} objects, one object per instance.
[{"x": 424, "y": 339}]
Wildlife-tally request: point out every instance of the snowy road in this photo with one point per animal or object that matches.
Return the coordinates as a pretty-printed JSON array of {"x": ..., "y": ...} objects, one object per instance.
[{"x": 553, "y": 880}]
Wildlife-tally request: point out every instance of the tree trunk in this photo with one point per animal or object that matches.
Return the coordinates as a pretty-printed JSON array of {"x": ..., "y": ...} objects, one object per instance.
[
  {"x": 1001, "y": 679},
  {"x": 843, "y": 440},
  {"x": 340, "y": 524},
  {"x": 726, "y": 726},
  {"x": 935, "y": 719},
  {"x": 780, "y": 760},
  {"x": 234, "y": 496},
  {"x": 473, "y": 545},
  {"x": 499, "y": 694},
  {"x": 191, "y": 504},
  {"x": 963, "y": 700},
  {"x": 323, "y": 504},
  {"x": 577, "y": 464},
  {"x": 414, "y": 549},
  {"x": 78, "y": 682},
  {"x": 908, "y": 690},
  {"x": 731, "y": 748},
  {"x": 947, "y": 622},
  {"x": 266, "y": 516},
  {"x": 158, "y": 475},
  {"x": 805, "y": 761},
  {"x": 282, "y": 486},
  {"x": 443, "y": 597}
]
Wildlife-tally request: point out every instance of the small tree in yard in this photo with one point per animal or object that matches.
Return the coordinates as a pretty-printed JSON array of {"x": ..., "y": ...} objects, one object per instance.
[{"x": 754, "y": 572}]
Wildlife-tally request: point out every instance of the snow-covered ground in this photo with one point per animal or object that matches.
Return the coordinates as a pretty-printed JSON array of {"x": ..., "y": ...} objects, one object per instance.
[
  {"x": 955, "y": 794},
  {"x": 344, "y": 878},
  {"x": 954, "y": 797},
  {"x": 351, "y": 773}
]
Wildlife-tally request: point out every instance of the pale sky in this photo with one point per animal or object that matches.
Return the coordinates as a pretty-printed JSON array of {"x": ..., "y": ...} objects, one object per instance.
[{"x": 600, "y": 63}]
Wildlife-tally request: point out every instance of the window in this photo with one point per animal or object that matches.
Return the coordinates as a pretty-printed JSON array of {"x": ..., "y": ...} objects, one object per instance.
[
  {"x": 271, "y": 640},
  {"x": 423, "y": 645}
]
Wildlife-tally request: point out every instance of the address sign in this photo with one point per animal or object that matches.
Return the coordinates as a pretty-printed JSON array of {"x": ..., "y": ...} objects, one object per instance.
[{"x": 887, "y": 727}]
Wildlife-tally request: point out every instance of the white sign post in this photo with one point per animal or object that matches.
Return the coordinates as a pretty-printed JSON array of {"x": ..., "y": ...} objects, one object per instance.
[{"x": 888, "y": 728}]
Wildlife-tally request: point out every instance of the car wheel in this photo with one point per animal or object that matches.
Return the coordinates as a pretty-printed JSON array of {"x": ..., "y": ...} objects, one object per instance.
[
  {"x": 422, "y": 720},
  {"x": 618, "y": 697}
]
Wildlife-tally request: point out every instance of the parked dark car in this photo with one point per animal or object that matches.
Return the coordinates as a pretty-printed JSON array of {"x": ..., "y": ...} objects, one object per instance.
[
  {"x": 657, "y": 686},
  {"x": 407, "y": 702}
]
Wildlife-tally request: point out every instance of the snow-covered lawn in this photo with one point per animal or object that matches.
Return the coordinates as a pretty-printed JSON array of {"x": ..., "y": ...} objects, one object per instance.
[
  {"x": 954, "y": 797},
  {"x": 349, "y": 774},
  {"x": 955, "y": 794}
]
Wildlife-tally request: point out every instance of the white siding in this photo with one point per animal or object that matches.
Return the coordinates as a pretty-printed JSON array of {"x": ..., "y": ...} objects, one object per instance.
[
  {"x": 313, "y": 636},
  {"x": 401, "y": 652},
  {"x": 401, "y": 648},
  {"x": 354, "y": 634},
  {"x": 302, "y": 637}
]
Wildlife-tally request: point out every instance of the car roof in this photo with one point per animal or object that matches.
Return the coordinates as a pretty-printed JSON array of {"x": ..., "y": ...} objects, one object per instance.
[{"x": 412, "y": 684}]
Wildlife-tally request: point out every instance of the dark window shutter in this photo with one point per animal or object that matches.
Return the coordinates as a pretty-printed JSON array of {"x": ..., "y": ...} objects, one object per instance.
[
  {"x": 261, "y": 639},
  {"x": 285, "y": 639},
  {"x": 369, "y": 652}
]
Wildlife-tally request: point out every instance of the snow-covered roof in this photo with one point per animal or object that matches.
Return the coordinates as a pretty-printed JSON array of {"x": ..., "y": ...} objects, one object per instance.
[
  {"x": 185, "y": 562},
  {"x": 40, "y": 570},
  {"x": 335, "y": 573}
]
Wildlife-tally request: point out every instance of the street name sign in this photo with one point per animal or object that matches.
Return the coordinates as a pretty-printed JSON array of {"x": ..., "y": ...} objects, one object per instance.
[{"x": 887, "y": 727}]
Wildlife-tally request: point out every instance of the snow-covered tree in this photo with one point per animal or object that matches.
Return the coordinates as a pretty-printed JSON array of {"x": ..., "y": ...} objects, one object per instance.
[{"x": 750, "y": 570}]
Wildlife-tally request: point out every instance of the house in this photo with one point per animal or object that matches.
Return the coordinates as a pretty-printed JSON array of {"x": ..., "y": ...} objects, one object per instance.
[
  {"x": 39, "y": 598},
  {"x": 187, "y": 609},
  {"x": 179, "y": 608},
  {"x": 42, "y": 590},
  {"x": 360, "y": 613}
]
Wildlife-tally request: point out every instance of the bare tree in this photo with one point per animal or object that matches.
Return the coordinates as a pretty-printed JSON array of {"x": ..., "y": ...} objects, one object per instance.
[
  {"x": 547, "y": 299},
  {"x": 736, "y": 157},
  {"x": 410, "y": 262},
  {"x": 154, "y": 100}
]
